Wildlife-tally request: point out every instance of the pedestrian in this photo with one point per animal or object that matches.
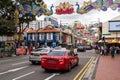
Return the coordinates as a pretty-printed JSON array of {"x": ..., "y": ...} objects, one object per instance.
[
  {"x": 102, "y": 50},
  {"x": 30, "y": 48},
  {"x": 97, "y": 49},
  {"x": 112, "y": 51},
  {"x": 117, "y": 49},
  {"x": 105, "y": 49}
]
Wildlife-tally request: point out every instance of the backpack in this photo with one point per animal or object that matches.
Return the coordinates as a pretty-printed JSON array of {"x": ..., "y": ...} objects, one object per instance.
[{"x": 96, "y": 47}]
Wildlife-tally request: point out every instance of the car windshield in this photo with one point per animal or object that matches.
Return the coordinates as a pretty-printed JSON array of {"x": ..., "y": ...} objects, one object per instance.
[
  {"x": 36, "y": 50},
  {"x": 44, "y": 50},
  {"x": 80, "y": 46},
  {"x": 57, "y": 53}
]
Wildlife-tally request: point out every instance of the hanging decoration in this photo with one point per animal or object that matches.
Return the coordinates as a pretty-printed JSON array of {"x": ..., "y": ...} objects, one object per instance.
[
  {"x": 27, "y": 9},
  {"x": 80, "y": 26},
  {"x": 67, "y": 8},
  {"x": 20, "y": 9},
  {"x": 49, "y": 12},
  {"x": 86, "y": 32},
  {"x": 98, "y": 5},
  {"x": 34, "y": 9},
  {"x": 85, "y": 8},
  {"x": 64, "y": 8}
]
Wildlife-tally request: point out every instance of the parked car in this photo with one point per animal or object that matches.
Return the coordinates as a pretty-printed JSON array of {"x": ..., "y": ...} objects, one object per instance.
[
  {"x": 61, "y": 59},
  {"x": 81, "y": 48},
  {"x": 36, "y": 54}
]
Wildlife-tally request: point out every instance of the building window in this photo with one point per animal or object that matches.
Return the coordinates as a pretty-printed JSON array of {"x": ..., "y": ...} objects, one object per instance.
[
  {"x": 33, "y": 37},
  {"x": 57, "y": 36},
  {"x": 41, "y": 36},
  {"x": 49, "y": 36},
  {"x": 28, "y": 36}
]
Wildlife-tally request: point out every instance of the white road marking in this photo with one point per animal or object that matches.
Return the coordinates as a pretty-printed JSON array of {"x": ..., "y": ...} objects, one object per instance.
[
  {"x": 4, "y": 72},
  {"x": 24, "y": 75},
  {"x": 20, "y": 63},
  {"x": 51, "y": 76},
  {"x": 13, "y": 70},
  {"x": 5, "y": 60}
]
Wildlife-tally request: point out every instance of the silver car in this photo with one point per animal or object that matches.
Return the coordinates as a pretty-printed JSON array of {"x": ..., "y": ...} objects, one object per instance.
[{"x": 35, "y": 54}]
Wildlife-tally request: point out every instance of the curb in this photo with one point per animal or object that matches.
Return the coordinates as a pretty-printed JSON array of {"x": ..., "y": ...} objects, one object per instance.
[
  {"x": 82, "y": 72},
  {"x": 90, "y": 72}
]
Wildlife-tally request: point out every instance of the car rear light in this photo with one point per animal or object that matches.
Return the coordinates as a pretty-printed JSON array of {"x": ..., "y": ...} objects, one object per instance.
[
  {"x": 61, "y": 60},
  {"x": 43, "y": 59},
  {"x": 31, "y": 53}
]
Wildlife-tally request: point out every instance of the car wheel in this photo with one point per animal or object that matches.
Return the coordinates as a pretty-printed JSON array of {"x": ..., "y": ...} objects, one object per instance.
[
  {"x": 46, "y": 70},
  {"x": 69, "y": 67},
  {"x": 33, "y": 62},
  {"x": 77, "y": 63}
]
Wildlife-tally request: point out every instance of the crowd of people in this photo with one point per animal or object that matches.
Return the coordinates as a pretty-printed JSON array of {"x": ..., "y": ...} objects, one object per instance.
[{"x": 107, "y": 49}]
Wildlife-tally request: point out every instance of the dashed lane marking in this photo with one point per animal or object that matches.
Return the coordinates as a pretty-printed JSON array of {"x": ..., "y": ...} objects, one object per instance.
[
  {"x": 13, "y": 70},
  {"x": 23, "y": 75},
  {"x": 20, "y": 63},
  {"x": 52, "y": 76}
]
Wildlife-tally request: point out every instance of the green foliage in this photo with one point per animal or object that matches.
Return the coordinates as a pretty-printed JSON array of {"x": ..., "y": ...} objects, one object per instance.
[
  {"x": 7, "y": 27},
  {"x": 4, "y": 3},
  {"x": 7, "y": 9}
]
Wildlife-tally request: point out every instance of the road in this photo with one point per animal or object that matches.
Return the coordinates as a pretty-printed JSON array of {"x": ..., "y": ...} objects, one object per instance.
[{"x": 19, "y": 68}]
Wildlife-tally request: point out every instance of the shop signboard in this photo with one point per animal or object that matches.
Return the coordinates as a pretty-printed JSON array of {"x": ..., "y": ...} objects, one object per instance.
[{"x": 114, "y": 26}]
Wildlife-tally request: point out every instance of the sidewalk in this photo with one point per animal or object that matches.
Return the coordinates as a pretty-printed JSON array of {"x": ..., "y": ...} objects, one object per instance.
[{"x": 108, "y": 68}]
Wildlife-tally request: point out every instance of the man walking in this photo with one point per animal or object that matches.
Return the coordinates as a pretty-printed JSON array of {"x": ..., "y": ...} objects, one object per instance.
[{"x": 112, "y": 51}]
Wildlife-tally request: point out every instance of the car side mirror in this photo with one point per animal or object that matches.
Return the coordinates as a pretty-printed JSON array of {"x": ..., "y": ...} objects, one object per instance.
[{"x": 50, "y": 50}]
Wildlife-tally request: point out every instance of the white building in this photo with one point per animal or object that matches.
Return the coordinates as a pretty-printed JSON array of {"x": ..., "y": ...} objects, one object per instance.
[
  {"x": 111, "y": 29},
  {"x": 43, "y": 21}
]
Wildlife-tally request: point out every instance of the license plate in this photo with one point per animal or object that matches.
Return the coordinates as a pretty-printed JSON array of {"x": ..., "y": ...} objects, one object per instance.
[
  {"x": 51, "y": 60},
  {"x": 36, "y": 55}
]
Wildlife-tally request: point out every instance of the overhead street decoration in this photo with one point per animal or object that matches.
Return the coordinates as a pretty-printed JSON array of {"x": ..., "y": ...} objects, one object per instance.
[
  {"x": 98, "y": 5},
  {"x": 64, "y": 8},
  {"x": 67, "y": 8},
  {"x": 34, "y": 9}
]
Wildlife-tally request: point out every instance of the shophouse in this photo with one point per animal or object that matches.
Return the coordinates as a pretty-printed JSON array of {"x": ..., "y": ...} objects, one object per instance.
[{"x": 111, "y": 30}]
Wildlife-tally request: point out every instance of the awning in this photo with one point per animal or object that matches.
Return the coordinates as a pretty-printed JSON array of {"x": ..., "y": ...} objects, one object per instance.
[
  {"x": 102, "y": 41},
  {"x": 114, "y": 41}
]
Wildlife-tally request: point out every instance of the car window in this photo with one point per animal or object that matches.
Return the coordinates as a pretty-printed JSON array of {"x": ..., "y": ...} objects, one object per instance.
[
  {"x": 57, "y": 53},
  {"x": 71, "y": 53},
  {"x": 44, "y": 50},
  {"x": 80, "y": 46},
  {"x": 36, "y": 50}
]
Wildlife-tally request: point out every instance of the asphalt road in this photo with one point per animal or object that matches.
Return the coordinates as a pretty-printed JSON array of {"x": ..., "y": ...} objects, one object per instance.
[{"x": 19, "y": 68}]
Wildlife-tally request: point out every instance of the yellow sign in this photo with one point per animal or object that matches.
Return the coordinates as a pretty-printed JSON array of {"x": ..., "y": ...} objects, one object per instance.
[{"x": 16, "y": 36}]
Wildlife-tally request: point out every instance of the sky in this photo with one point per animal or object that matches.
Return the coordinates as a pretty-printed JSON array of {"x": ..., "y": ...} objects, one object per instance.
[{"x": 91, "y": 17}]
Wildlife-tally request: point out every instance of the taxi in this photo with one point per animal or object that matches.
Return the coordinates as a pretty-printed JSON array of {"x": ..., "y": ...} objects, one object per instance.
[{"x": 59, "y": 59}]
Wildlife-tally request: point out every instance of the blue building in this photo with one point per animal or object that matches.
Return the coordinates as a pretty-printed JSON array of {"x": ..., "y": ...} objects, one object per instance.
[{"x": 48, "y": 36}]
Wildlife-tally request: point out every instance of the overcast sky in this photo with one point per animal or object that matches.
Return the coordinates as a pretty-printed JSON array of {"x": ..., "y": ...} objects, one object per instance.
[{"x": 87, "y": 18}]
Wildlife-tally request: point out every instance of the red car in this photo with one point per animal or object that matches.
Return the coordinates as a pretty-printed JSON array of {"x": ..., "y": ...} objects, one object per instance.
[{"x": 59, "y": 60}]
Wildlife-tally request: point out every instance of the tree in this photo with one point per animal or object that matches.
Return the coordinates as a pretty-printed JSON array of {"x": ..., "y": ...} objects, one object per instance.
[
  {"x": 7, "y": 15},
  {"x": 6, "y": 18}
]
